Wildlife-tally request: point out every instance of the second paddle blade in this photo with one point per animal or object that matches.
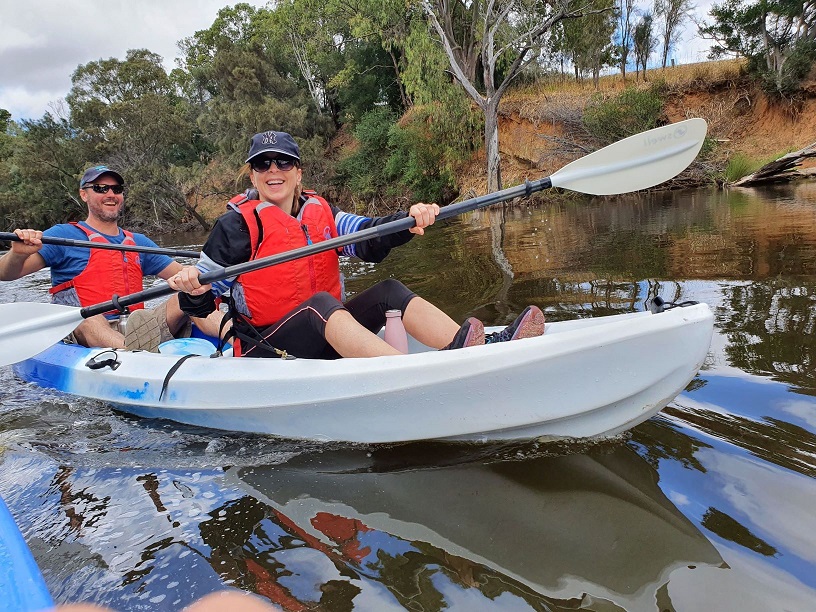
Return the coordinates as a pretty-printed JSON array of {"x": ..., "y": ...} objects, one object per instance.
[{"x": 28, "y": 328}]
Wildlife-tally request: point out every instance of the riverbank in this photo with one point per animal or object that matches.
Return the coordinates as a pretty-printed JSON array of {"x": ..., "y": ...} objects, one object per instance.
[{"x": 540, "y": 127}]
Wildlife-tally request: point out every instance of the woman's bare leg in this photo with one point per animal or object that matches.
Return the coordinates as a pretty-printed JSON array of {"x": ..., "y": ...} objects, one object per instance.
[
  {"x": 350, "y": 339},
  {"x": 428, "y": 324}
]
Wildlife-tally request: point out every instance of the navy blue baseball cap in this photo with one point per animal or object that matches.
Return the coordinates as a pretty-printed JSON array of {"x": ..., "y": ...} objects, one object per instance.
[
  {"x": 273, "y": 142},
  {"x": 91, "y": 174}
]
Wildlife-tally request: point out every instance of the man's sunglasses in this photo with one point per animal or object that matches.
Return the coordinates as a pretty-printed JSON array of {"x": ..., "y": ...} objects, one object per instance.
[
  {"x": 117, "y": 189},
  {"x": 263, "y": 164}
]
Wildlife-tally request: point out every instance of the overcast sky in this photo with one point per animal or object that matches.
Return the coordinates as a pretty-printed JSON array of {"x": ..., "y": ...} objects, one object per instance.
[{"x": 43, "y": 41}]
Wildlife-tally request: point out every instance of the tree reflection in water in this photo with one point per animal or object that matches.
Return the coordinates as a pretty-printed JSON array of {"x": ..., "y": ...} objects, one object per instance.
[{"x": 770, "y": 327}]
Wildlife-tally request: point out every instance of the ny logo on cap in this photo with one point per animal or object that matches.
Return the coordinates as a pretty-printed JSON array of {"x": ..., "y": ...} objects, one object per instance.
[{"x": 269, "y": 138}]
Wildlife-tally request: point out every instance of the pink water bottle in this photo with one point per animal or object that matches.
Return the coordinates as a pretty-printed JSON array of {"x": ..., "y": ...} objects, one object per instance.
[{"x": 395, "y": 334}]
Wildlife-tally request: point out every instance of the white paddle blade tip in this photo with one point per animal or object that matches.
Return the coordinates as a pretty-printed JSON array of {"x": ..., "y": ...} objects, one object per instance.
[
  {"x": 28, "y": 328},
  {"x": 637, "y": 162}
]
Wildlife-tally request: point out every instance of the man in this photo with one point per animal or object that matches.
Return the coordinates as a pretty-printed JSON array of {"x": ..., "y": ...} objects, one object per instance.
[{"x": 82, "y": 277}]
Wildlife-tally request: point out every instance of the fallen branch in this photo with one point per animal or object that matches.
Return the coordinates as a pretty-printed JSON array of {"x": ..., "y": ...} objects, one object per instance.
[{"x": 782, "y": 170}]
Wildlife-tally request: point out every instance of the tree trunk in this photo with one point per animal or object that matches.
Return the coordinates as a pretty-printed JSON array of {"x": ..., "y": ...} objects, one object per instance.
[
  {"x": 491, "y": 135},
  {"x": 406, "y": 102}
]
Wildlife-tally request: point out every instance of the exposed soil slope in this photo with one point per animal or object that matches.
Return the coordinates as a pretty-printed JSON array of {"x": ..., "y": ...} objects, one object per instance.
[{"x": 539, "y": 134}]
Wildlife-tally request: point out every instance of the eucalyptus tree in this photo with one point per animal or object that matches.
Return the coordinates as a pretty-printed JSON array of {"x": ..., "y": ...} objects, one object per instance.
[
  {"x": 625, "y": 10},
  {"x": 488, "y": 43},
  {"x": 672, "y": 14},
  {"x": 777, "y": 36},
  {"x": 350, "y": 54},
  {"x": 644, "y": 42},
  {"x": 589, "y": 39},
  {"x": 39, "y": 164},
  {"x": 127, "y": 114},
  {"x": 245, "y": 79},
  {"x": 233, "y": 26}
]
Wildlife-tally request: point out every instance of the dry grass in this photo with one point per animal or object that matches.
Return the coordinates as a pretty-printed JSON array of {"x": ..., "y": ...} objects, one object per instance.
[{"x": 678, "y": 76}]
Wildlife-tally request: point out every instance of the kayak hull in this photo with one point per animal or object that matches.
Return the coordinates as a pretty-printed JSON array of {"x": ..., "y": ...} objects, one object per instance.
[
  {"x": 22, "y": 587},
  {"x": 582, "y": 378}
]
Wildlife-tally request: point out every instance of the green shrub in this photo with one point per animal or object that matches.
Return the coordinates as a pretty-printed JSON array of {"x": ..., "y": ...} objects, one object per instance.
[
  {"x": 363, "y": 172},
  {"x": 787, "y": 82},
  {"x": 426, "y": 146},
  {"x": 610, "y": 119}
]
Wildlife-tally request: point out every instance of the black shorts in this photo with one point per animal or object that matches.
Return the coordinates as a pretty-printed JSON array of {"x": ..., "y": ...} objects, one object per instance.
[{"x": 301, "y": 332}]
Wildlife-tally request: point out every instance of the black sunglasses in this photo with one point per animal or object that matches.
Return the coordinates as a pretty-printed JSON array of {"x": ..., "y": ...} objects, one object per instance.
[
  {"x": 263, "y": 164},
  {"x": 117, "y": 189}
]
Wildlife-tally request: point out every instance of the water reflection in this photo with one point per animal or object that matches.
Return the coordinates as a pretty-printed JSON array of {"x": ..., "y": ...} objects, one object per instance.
[
  {"x": 333, "y": 530},
  {"x": 467, "y": 532},
  {"x": 770, "y": 330}
]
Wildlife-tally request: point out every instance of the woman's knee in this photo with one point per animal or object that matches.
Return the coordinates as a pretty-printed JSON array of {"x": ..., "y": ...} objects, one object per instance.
[
  {"x": 392, "y": 286},
  {"x": 324, "y": 298}
]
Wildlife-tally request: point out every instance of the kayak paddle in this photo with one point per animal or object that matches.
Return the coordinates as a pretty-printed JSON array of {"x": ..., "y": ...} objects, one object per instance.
[
  {"x": 637, "y": 162},
  {"x": 87, "y": 244}
]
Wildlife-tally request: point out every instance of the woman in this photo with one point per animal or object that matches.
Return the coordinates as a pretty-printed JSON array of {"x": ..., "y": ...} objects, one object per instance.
[{"x": 296, "y": 308}]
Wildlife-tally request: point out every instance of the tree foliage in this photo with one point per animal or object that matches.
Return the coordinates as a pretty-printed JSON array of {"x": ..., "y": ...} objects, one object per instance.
[
  {"x": 777, "y": 36},
  {"x": 588, "y": 39},
  {"x": 644, "y": 42},
  {"x": 416, "y": 84},
  {"x": 626, "y": 16},
  {"x": 672, "y": 14}
]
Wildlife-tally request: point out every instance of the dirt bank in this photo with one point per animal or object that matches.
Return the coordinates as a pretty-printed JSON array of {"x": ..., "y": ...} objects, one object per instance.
[{"x": 538, "y": 134}]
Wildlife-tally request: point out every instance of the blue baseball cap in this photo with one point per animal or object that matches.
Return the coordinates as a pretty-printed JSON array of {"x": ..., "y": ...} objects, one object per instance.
[
  {"x": 91, "y": 174},
  {"x": 273, "y": 142}
]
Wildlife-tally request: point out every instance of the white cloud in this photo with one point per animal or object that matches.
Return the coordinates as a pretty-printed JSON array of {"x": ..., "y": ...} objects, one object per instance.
[{"x": 43, "y": 42}]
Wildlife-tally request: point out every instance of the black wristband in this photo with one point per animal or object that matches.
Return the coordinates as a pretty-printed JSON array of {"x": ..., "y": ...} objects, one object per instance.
[{"x": 199, "y": 306}]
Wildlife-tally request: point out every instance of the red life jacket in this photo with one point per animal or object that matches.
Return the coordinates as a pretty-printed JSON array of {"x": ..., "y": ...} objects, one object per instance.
[
  {"x": 107, "y": 273},
  {"x": 272, "y": 292}
]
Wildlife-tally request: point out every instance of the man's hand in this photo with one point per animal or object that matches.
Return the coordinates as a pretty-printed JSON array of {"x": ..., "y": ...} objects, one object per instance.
[{"x": 31, "y": 242}]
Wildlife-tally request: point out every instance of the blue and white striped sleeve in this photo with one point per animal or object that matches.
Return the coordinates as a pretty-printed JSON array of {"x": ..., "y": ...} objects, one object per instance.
[
  {"x": 205, "y": 264},
  {"x": 348, "y": 223}
]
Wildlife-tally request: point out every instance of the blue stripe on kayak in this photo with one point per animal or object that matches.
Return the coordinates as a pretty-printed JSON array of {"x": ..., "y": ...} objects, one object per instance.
[
  {"x": 22, "y": 587},
  {"x": 53, "y": 368}
]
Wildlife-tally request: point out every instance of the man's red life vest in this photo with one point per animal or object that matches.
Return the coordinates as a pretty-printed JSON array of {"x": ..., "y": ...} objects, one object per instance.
[
  {"x": 107, "y": 273},
  {"x": 272, "y": 292}
]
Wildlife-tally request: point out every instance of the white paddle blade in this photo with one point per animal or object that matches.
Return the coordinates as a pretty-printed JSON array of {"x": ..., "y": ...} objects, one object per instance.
[
  {"x": 28, "y": 328},
  {"x": 638, "y": 162}
]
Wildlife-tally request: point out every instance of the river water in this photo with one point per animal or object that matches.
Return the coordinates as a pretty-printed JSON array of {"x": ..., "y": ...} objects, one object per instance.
[{"x": 707, "y": 506}]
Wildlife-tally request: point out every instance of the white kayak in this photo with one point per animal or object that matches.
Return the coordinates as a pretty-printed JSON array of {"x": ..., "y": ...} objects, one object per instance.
[{"x": 583, "y": 378}]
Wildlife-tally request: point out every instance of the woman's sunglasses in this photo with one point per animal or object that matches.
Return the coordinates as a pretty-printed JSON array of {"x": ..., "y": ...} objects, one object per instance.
[
  {"x": 263, "y": 164},
  {"x": 117, "y": 189}
]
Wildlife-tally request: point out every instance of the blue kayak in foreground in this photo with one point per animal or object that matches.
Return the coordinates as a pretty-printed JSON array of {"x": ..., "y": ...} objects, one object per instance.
[
  {"x": 582, "y": 378},
  {"x": 22, "y": 588}
]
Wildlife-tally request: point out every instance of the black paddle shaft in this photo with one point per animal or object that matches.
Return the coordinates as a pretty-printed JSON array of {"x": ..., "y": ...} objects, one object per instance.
[
  {"x": 87, "y": 244},
  {"x": 525, "y": 190}
]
